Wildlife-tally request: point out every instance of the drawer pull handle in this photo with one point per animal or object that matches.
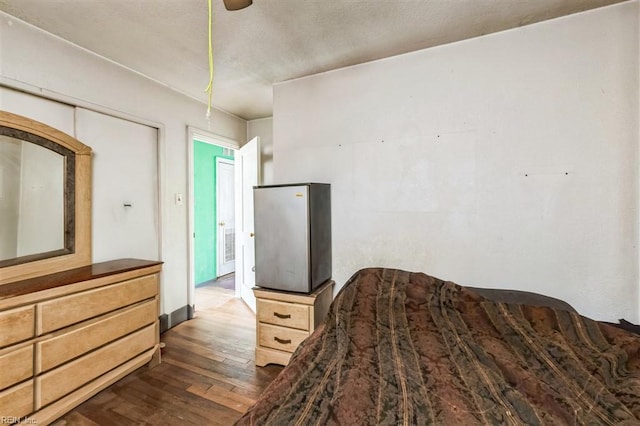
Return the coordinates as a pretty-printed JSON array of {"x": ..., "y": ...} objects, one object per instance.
[
  {"x": 282, "y": 341},
  {"x": 282, "y": 316}
]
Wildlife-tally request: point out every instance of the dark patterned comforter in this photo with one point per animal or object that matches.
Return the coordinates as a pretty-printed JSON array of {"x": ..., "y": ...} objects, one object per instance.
[{"x": 400, "y": 348}]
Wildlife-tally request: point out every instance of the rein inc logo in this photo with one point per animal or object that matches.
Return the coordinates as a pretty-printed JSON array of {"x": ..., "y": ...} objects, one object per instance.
[{"x": 9, "y": 420}]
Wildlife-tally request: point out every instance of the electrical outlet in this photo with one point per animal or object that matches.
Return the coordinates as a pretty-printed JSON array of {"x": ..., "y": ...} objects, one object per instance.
[{"x": 178, "y": 199}]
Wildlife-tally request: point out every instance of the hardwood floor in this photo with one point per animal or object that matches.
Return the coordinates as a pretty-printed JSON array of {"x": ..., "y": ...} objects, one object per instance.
[
  {"x": 215, "y": 293},
  {"x": 207, "y": 375}
]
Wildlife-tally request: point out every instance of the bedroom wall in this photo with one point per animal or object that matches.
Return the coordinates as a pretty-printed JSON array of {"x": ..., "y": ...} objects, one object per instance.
[
  {"x": 263, "y": 128},
  {"x": 506, "y": 161},
  {"x": 39, "y": 63}
]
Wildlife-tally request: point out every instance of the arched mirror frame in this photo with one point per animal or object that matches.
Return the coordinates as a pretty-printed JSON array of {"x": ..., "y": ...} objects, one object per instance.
[{"x": 81, "y": 252}]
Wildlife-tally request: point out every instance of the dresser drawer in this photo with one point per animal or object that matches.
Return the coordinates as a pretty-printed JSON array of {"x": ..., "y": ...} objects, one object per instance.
[
  {"x": 17, "y": 401},
  {"x": 67, "y": 378},
  {"x": 68, "y": 310},
  {"x": 17, "y": 325},
  {"x": 281, "y": 338},
  {"x": 284, "y": 314},
  {"x": 60, "y": 349},
  {"x": 16, "y": 366}
]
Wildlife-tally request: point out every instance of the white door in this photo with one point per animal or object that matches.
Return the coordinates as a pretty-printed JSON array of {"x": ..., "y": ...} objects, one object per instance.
[
  {"x": 247, "y": 172},
  {"x": 225, "y": 212}
]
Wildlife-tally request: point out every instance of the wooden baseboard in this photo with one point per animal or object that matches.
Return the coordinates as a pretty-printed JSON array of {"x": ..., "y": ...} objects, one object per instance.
[
  {"x": 164, "y": 323},
  {"x": 182, "y": 314}
]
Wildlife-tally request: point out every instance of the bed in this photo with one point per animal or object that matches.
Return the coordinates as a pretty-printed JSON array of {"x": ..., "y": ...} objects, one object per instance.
[{"x": 403, "y": 348}]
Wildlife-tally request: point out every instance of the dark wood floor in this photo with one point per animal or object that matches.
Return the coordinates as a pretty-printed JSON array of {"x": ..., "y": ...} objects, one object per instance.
[{"x": 207, "y": 375}]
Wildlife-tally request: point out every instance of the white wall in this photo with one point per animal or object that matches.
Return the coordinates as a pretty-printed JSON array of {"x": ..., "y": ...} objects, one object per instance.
[
  {"x": 263, "y": 128},
  {"x": 507, "y": 161},
  {"x": 39, "y": 63}
]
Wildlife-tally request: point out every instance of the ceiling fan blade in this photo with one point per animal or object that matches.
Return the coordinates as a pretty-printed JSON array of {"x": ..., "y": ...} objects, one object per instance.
[{"x": 237, "y": 4}]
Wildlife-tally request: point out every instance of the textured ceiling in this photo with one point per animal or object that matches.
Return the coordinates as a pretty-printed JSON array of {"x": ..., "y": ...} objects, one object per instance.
[{"x": 272, "y": 40}]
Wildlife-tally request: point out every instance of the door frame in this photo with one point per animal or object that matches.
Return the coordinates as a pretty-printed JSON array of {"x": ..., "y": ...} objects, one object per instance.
[
  {"x": 220, "y": 235},
  {"x": 213, "y": 139}
]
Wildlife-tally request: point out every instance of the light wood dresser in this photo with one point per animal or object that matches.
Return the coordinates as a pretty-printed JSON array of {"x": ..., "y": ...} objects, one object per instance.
[
  {"x": 68, "y": 335},
  {"x": 285, "y": 319}
]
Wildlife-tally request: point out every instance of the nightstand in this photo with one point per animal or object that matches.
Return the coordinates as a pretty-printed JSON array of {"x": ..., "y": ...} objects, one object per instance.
[{"x": 284, "y": 320}]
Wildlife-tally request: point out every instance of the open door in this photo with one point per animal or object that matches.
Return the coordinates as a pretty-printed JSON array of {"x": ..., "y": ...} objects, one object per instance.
[{"x": 247, "y": 172}]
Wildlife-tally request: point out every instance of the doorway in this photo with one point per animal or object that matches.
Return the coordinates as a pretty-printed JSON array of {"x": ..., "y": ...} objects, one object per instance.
[
  {"x": 214, "y": 218},
  {"x": 246, "y": 167}
]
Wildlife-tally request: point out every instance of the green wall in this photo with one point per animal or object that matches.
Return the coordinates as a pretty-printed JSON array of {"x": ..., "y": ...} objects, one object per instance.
[{"x": 204, "y": 169}]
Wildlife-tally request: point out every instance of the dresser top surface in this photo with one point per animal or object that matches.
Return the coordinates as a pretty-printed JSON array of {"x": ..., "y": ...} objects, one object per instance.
[{"x": 71, "y": 276}]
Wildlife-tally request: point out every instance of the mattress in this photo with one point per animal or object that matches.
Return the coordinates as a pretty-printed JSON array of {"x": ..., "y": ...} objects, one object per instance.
[{"x": 404, "y": 348}]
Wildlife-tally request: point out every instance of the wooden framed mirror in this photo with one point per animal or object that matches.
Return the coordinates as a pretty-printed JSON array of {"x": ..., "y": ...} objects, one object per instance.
[{"x": 45, "y": 199}]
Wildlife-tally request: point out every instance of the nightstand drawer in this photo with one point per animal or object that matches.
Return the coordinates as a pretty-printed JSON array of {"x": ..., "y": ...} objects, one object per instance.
[
  {"x": 284, "y": 314},
  {"x": 284, "y": 320},
  {"x": 281, "y": 338}
]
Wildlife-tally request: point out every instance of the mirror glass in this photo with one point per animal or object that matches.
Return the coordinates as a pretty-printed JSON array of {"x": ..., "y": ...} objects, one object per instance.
[{"x": 36, "y": 198}]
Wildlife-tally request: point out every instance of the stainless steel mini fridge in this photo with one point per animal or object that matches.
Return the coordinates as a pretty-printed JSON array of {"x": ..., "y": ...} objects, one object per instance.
[{"x": 292, "y": 236}]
